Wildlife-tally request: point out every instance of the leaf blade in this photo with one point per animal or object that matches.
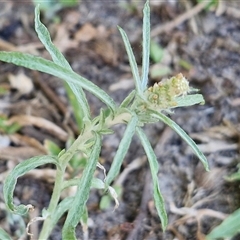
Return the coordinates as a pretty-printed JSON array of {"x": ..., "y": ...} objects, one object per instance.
[
  {"x": 18, "y": 171},
  {"x": 154, "y": 167},
  {"x": 189, "y": 100},
  {"x": 146, "y": 45},
  {"x": 77, "y": 209},
  {"x": 74, "y": 94},
  {"x": 132, "y": 60},
  {"x": 4, "y": 235},
  {"x": 122, "y": 150},
  {"x": 46, "y": 66},
  {"x": 183, "y": 135},
  {"x": 228, "y": 228}
]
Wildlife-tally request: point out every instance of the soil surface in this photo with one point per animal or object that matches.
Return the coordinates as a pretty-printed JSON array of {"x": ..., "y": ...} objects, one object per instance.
[{"x": 203, "y": 46}]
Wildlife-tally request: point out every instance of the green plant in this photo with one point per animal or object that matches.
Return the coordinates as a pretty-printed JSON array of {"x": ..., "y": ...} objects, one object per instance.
[
  {"x": 227, "y": 229},
  {"x": 212, "y": 3},
  {"x": 7, "y": 128},
  {"x": 231, "y": 225},
  {"x": 51, "y": 7},
  {"x": 156, "y": 55},
  {"x": 142, "y": 106}
]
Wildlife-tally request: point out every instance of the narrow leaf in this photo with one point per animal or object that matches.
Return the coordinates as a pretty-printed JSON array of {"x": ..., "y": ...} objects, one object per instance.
[
  {"x": 78, "y": 205},
  {"x": 18, "y": 171},
  {"x": 96, "y": 183},
  {"x": 228, "y": 228},
  {"x": 82, "y": 109},
  {"x": 4, "y": 235},
  {"x": 132, "y": 61},
  {"x": 233, "y": 177},
  {"x": 45, "y": 38},
  {"x": 154, "y": 167},
  {"x": 146, "y": 45},
  {"x": 156, "y": 55},
  {"x": 122, "y": 150},
  {"x": 183, "y": 135},
  {"x": 43, "y": 65},
  {"x": 189, "y": 100},
  {"x": 125, "y": 103},
  {"x": 62, "y": 207}
]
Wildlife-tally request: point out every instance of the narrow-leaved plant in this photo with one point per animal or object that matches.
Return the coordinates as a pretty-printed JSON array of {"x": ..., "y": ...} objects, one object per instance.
[{"x": 142, "y": 106}]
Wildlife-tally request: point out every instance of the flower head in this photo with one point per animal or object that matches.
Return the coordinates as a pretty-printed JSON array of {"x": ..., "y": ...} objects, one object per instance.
[{"x": 163, "y": 95}]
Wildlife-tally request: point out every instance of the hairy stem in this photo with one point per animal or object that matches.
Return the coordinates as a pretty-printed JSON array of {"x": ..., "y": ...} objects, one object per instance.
[
  {"x": 64, "y": 159},
  {"x": 47, "y": 226}
]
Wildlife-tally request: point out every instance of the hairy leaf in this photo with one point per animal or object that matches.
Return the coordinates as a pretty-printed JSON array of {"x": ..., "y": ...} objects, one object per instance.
[
  {"x": 183, "y": 135},
  {"x": 145, "y": 45},
  {"x": 81, "y": 109},
  {"x": 154, "y": 167},
  {"x": 77, "y": 208},
  {"x": 122, "y": 150},
  {"x": 132, "y": 61},
  {"x": 43, "y": 65},
  {"x": 21, "y": 169}
]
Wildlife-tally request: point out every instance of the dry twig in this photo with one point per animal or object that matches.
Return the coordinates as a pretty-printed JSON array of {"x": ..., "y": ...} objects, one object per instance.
[{"x": 177, "y": 21}]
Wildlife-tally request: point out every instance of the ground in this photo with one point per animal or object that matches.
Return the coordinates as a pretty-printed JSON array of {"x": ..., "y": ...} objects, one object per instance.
[{"x": 201, "y": 43}]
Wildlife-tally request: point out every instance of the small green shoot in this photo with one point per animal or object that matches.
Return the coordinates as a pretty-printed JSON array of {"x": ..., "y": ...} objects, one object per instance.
[
  {"x": 212, "y": 3},
  {"x": 228, "y": 228},
  {"x": 231, "y": 225},
  {"x": 51, "y": 7},
  {"x": 234, "y": 176},
  {"x": 106, "y": 200},
  {"x": 7, "y": 128},
  {"x": 4, "y": 235},
  {"x": 156, "y": 54}
]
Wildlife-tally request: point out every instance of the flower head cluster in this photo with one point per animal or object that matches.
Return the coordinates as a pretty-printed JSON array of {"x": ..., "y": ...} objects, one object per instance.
[{"x": 163, "y": 95}]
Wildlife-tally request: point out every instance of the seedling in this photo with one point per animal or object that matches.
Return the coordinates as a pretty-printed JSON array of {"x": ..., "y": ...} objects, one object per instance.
[{"x": 142, "y": 106}]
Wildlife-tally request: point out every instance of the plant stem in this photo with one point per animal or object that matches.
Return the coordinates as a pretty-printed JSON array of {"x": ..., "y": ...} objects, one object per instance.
[
  {"x": 63, "y": 161},
  {"x": 59, "y": 182},
  {"x": 47, "y": 226}
]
